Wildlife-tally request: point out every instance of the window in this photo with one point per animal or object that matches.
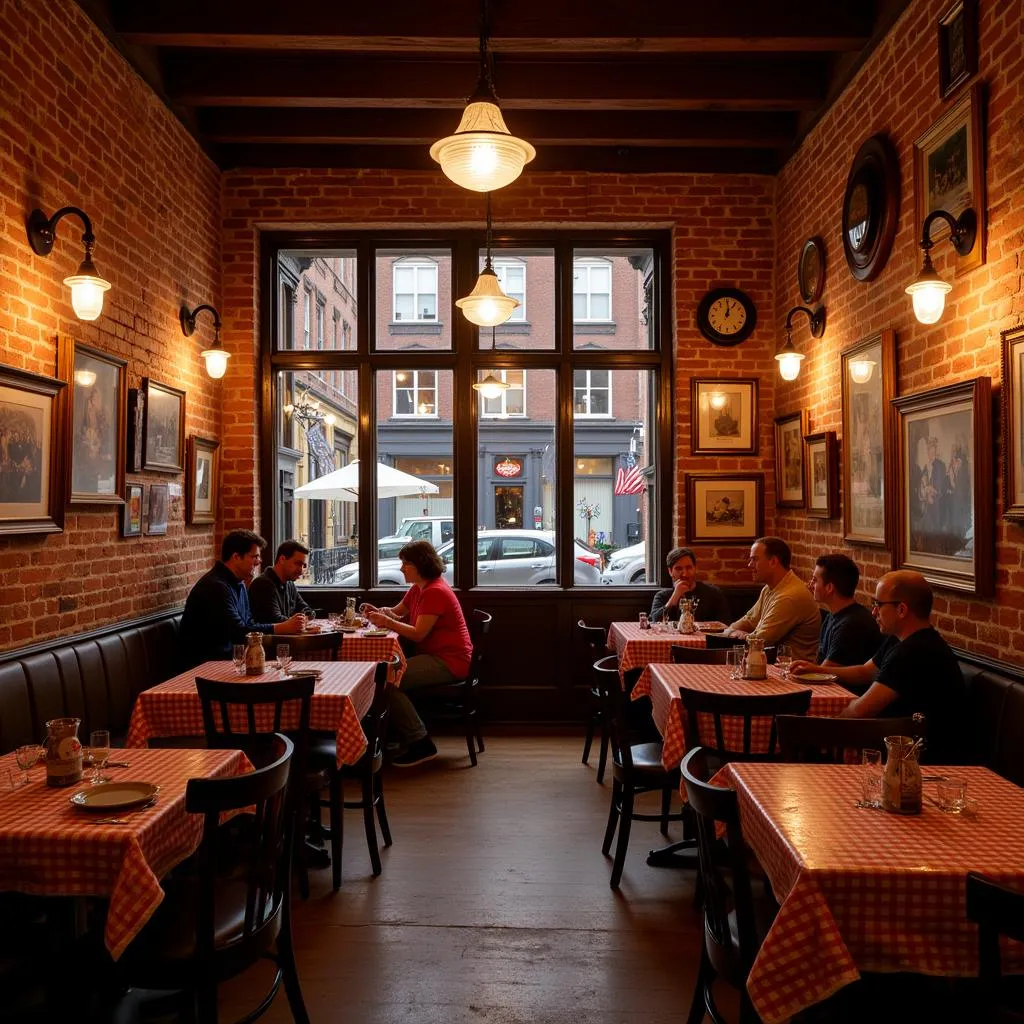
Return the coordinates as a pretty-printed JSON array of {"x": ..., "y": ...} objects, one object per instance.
[
  {"x": 591, "y": 290},
  {"x": 592, "y": 392},
  {"x": 415, "y": 393},
  {"x": 319, "y": 325},
  {"x": 512, "y": 278},
  {"x": 511, "y": 402},
  {"x": 415, "y": 291}
]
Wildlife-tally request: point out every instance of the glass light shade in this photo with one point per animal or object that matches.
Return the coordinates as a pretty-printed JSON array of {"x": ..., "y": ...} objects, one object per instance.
[
  {"x": 87, "y": 288},
  {"x": 717, "y": 400},
  {"x": 482, "y": 155},
  {"x": 861, "y": 370},
  {"x": 487, "y": 305},
  {"x": 85, "y": 378},
  {"x": 216, "y": 362},
  {"x": 490, "y": 386},
  {"x": 929, "y": 295},
  {"x": 789, "y": 364}
]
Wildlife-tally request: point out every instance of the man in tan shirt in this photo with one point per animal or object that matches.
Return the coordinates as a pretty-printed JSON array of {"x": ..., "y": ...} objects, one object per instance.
[{"x": 784, "y": 612}]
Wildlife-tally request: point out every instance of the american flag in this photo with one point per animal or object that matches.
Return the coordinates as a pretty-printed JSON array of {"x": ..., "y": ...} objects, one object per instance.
[{"x": 629, "y": 481}]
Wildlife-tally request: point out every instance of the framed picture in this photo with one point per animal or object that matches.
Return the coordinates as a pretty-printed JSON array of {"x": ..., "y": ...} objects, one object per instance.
[
  {"x": 810, "y": 270},
  {"x": 724, "y": 508},
  {"x": 156, "y": 510},
  {"x": 1012, "y": 397},
  {"x": 958, "y": 46},
  {"x": 949, "y": 172},
  {"x": 31, "y": 453},
  {"x": 789, "y": 459},
  {"x": 202, "y": 487},
  {"x": 821, "y": 457},
  {"x": 868, "y": 383},
  {"x": 163, "y": 431},
  {"x": 723, "y": 416},
  {"x": 95, "y": 428},
  {"x": 136, "y": 415},
  {"x": 131, "y": 514},
  {"x": 944, "y": 442}
]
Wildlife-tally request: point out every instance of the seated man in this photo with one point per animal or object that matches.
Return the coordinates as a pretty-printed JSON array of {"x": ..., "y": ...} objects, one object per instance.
[
  {"x": 217, "y": 613},
  {"x": 712, "y": 605},
  {"x": 913, "y": 671},
  {"x": 849, "y": 634},
  {"x": 272, "y": 595},
  {"x": 784, "y": 612}
]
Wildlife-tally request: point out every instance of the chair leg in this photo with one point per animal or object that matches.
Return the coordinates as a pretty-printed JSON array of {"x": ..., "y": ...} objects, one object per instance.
[
  {"x": 705, "y": 975},
  {"x": 613, "y": 816},
  {"x": 337, "y": 818},
  {"x": 289, "y": 971},
  {"x": 589, "y": 737},
  {"x": 479, "y": 739},
  {"x": 666, "y": 805},
  {"x": 382, "y": 811},
  {"x": 625, "y": 822},
  {"x": 470, "y": 739},
  {"x": 602, "y": 763},
  {"x": 302, "y": 862},
  {"x": 369, "y": 825}
]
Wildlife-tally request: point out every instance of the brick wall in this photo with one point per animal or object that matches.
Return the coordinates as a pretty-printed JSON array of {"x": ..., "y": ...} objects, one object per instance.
[
  {"x": 78, "y": 127},
  {"x": 897, "y": 92}
]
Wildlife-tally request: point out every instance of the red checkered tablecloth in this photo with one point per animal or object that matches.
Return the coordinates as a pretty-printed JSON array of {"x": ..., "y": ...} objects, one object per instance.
[
  {"x": 863, "y": 890},
  {"x": 343, "y": 694},
  {"x": 638, "y": 648},
  {"x": 357, "y": 647},
  {"x": 49, "y": 848},
  {"x": 663, "y": 686}
]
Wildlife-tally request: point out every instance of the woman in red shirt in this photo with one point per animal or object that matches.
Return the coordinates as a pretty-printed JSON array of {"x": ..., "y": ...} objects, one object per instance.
[{"x": 429, "y": 615}]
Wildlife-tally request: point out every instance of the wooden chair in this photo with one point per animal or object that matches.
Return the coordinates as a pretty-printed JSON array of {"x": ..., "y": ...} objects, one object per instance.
[
  {"x": 698, "y": 655},
  {"x": 215, "y": 924},
  {"x": 997, "y": 911},
  {"x": 716, "y": 642},
  {"x": 636, "y": 769},
  {"x": 306, "y": 646},
  {"x": 805, "y": 739},
  {"x": 596, "y": 639},
  {"x": 734, "y": 924}
]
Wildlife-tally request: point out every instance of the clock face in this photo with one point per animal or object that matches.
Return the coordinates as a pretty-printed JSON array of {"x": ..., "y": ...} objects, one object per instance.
[{"x": 726, "y": 316}]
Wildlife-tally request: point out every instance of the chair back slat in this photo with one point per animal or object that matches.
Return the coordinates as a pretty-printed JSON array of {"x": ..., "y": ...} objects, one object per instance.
[
  {"x": 806, "y": 739},
  {"x": 306, "y": 646},
  {"x": 613, "y": 697},
  {"x": 595, "y": 637},
  {"x": 698, "y": 655}
]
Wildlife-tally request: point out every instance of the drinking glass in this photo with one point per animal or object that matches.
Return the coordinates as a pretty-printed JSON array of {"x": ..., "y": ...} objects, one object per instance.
[
  {"x": 99, "y": 744},
  {"x": 284, "y": 656},
  {"x": 783, "y": 659},
  {"x": 28, "y": 757},
  {"x": 335, "y": 619},
  {"x": 734, "y": 661},
  {"x": 871, "y": 759},
  {"x": 952, "y": 794},
  {"x": 238, "y": 658}
]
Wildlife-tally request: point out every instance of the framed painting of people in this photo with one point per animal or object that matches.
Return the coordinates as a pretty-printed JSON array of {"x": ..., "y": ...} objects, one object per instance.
[
  {"x": 1012, "y": 399},
  {"x": 31, "y": 452},
  {"x": 724, "y": 508},
  {"x": 157, "y": 509},
  {"x": 95, "y": 428},
  {"x": 789, "y": 459},
  {"x": 163, "y": 429},
  {"x": 867, "y": 381},
  {"x": 136, "y": 417},
  {"x": 131, "y": 514},
  {"x": 821, "y": 459},
  {"x": 958, "y": 46},
  {"x": 944, "y": 444},
  {"x": 723, "y": 416},
  {"x": 202, "y": 484}
]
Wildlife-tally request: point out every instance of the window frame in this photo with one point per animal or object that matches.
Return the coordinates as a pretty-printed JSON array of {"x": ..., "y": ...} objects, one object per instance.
[
  {"x": 415, "y": 388},
  {"x": 502, "y": 375},
  {"x": 415, "y": 264},
  {"x": 590, "y": 263},
  {"x": 610, "y": 414}
]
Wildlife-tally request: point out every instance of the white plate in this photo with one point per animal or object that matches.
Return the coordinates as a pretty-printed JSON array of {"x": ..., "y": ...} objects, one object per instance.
[
  {"x": 375, "y": 632},
  {"x": 348, "y": 629},
  {"x": 814, "y": 677},
  {"x": 115, "y": 796}
]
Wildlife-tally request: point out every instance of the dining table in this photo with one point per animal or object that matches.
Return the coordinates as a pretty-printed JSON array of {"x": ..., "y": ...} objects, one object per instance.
[
  {"x": 342, "y": 695},
  {"x": 640, "y": 648},
  {"x": 362, "y": 643},
  {"x": 51, "y": 847},
  {"x": 861, "y": 889}
]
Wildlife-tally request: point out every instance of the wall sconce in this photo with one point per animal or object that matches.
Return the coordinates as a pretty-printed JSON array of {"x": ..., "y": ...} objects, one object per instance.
[
  {"x": 487, "y": 305},
  {"x": 861, "y": 370},
  {"x": 928, "y": 291},
  {"x": 788, "y": 357},
  {"x": 216, "y": 357},
  {"x": 87, "y": 287}
]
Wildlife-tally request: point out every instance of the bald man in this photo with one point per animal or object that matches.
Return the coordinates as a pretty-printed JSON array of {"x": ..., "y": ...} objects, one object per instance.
[{"x": 914, "y": 669}]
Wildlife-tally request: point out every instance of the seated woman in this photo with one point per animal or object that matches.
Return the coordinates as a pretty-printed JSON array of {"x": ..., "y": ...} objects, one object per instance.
[{"x": 430, "y": 616}]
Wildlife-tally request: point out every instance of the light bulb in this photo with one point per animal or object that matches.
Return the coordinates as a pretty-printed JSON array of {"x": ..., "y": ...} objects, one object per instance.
[
  {"x": 490, "y": 386},
  {"x": 86, "y": 378},
  {"x": 717, "y": 400},
  {"x": 87, "y": 294},
  {"x": 487, "y": 305},
  {"x": 483, "y": 158},
  {"x": 789, "y": 365},
  {"x": 217, "y": 364},
  {"x": 929, "y": 296},
  {"x": 861, "y": 370},
  {"x": 330, "y": 419}
]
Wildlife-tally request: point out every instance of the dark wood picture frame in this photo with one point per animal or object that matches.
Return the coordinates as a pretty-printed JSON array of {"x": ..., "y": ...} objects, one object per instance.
[
  {"x": 817, "y": 447},
  {"x": 869, "y": 439},
  {"x": 794, "y": 424},
  {"x": 870, "y": 209},
  {"x": 707, "y": 436},
  {"x": 958, "y": 46},
  {"x": 95, "y": 427},
  {"x": 157, "y": 431},
  {"x": 704, "y": 488},
  {"x": 158, "y": 510},
  {"x": 202, "y": 508},
  {"x": 944, "y": 445},
  {"x": 133, "y": 512},
  {"x": 810, "y": 270},
  {"x": 1011, "y": 397},
  {"x": 135, "y": 415}
]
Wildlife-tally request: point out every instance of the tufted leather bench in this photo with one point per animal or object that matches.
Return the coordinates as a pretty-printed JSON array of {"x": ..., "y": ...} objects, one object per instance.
[
  {"x": 997, "y": 714},
  {"x": 93, "y": 676}
]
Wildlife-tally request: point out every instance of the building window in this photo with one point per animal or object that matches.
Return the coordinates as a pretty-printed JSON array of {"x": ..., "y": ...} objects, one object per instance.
[
  {"x": 320, "y": 325},
  {"x": 592, "y": 392},
  {"x": 591, "y": 290},
  {"x": 512, "y": 278},
  {"x": 306, "y": 301},
  {"x": 511, "y": 402},
  {"x": 415, "y": 393},
  {"x": 415, "y": 291}
]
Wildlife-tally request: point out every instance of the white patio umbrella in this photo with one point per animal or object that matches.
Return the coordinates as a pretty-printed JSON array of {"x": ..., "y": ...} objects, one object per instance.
[{"x": 343, "y": 484}]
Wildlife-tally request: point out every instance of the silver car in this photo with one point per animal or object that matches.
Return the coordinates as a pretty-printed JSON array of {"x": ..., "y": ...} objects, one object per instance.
[
  {"x": 626, "y": 566},
  {"x": 521, "y": 558}
]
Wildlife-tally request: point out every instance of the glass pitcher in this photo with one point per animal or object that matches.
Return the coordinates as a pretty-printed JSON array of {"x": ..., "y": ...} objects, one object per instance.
[
  {"x": 755, "y": 663},
  {"x": 687, "y": 606},
  {"x": 63, "y": 752},
  {"x": 901, "y": 782},
  {"x": 255, "y": 657},
  {"x": 350, "y": 611}
]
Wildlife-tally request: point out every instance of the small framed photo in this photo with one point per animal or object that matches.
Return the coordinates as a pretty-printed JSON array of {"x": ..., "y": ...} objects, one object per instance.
[
  {"x": 156, "y": 510},
  {"x": 723, "y": 416},
  {"x": 958, "y": 46},
  {"x": 724, "y": 508},
  {"x": 163, "y": 430},
  {"x": 131, "y": 514},
  {"x": 822, "y": 461},
  {"x": 1012, "y": 398},
  {"x": 789, "y": 459},
  {"x": 135, "y": 416},
  {"x": 949, "y": 172},
  {"x": 944, "y": 444},
  {"x": 202, "y": 486}
]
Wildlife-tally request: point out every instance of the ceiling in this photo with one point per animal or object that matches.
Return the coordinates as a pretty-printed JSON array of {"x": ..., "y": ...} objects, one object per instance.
[{"x": 631, "y": 86}]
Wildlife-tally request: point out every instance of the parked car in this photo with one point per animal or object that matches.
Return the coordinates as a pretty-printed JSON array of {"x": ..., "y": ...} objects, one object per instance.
[
  {"x": 521, "y": 558},
  {"x": 387, "y": 554},
  {"x": 626, "y": 566},
  {"x": 436, "y": 529}
]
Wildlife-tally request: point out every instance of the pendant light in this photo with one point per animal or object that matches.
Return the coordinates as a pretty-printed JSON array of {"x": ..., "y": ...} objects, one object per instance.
[
  {"x": 482, "y": 155},
  {"x": 487, "y": 305},
  {"x": 490, "y": 386}
]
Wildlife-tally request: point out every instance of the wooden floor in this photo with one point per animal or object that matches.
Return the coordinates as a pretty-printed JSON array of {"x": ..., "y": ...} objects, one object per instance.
[{"x": 494, "y": 905}]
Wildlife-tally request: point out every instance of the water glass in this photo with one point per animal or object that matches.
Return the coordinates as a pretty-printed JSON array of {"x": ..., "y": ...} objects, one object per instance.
[
  {"x": 28, "y": 756},
  {"x": 99, "y": 744},
  {"x": 783, "y": 659},
  {"x": 872, "y": 781},
  {"x": 335, "y": 619},
  {"x": 952, "y": 794},
  {"x": 238, "y": 658},
  {"x": 284, "y": 656},
  {"x": 734, "y": 661}
]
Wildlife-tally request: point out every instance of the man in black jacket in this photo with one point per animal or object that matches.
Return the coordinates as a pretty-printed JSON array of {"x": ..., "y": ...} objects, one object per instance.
[
  {"x": 712, "y": 605},
  {"x": 273, "y": 596}
]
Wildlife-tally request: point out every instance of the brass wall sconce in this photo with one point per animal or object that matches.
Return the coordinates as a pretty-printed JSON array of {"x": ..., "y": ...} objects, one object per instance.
[
  {"x": 788, "y": 357},
  {"x": 216, "y": 357},
  {"x": 929, "y": 291},
  {"x": 87, "y": 287}
]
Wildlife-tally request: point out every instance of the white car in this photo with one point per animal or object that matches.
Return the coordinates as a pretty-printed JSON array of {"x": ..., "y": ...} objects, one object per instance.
[
  {"x": 626, "y": 566},
  {"x": 521, "y": 558}
]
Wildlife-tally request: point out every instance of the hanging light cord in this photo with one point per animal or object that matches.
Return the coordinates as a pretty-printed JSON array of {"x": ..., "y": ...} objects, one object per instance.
[
  {"x": 486, "y": 71},
  {"x": 487, "y": 264}
]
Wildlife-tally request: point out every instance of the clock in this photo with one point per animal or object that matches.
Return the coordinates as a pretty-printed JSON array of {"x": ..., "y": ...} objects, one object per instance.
[{"x": 726, "y": 316}]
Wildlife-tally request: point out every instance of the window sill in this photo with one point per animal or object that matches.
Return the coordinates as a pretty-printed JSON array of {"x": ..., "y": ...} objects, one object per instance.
[
  {"x": 405, "y": 327},
  {"x": 593, "y": 327}
]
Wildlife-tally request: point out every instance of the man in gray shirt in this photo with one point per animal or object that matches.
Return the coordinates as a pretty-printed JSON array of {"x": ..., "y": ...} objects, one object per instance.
[{"x": 272, "y": 595}]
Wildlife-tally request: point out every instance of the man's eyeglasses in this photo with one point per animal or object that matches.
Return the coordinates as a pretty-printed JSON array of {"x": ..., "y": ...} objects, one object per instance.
[{"x": 878, "y": 604}]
